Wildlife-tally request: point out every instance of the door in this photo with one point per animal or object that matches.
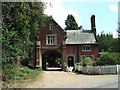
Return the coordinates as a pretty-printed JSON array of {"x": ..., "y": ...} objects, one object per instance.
[{"x": 71, "y": 61}]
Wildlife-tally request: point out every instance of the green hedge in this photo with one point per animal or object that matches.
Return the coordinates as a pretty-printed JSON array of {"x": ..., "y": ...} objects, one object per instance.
[{"x": 107, "y": 58}]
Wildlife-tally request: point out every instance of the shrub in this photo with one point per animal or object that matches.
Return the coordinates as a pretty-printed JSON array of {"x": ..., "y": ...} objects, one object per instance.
[
  {"x": 86, "y": 62},
  {"x": 65, "y": 64},
  {"x": 94, "y": 63},
  {"x": 79, "y": 63},
  {"x": 18, "y": 73},
  {"x": 108, "y": 59}
]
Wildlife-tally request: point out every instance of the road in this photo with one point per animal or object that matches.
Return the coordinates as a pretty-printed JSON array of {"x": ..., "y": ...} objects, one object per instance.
[
  {"x": 61, "y": 79},
  {"x": 113, "y": 84},
  {"x": 102, "y": 82}
]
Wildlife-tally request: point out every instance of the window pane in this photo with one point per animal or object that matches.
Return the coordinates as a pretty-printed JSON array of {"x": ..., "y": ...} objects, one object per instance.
[
  {"x": 48, "y": 40},
  {"x": 86, "y": 47},
  {"x": 51, "y": 26},
  {"x": 51, "y": 40}
]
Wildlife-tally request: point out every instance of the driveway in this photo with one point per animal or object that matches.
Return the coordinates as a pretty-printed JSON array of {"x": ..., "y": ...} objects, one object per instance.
[{"x": 61, "y": 79}]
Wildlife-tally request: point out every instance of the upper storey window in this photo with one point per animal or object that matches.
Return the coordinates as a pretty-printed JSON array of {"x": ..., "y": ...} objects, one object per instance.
[
  {"x": 50, "y": 26},
  {"x": 51, "y": 39}
]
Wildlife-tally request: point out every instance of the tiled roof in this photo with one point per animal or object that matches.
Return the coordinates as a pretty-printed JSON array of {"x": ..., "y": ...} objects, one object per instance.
[{"x": 80, "y": 37}]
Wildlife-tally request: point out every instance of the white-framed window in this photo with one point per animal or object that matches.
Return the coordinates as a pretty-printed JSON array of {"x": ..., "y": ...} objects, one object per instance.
[
  {"x": 50, "y": 26},
  {"x": 51, "y": 39},
  {"x": 86, "y": 47}
]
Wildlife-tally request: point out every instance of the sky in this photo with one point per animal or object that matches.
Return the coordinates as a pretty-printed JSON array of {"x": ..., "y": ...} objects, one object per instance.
[{"x": 105, "y": 11}]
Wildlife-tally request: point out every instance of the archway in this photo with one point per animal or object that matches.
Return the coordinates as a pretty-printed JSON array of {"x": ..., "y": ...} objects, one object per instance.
[{"x": 51, "y": 59}]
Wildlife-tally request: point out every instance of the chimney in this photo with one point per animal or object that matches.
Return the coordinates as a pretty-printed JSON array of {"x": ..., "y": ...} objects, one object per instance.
[{"x": 93, "y": 27}]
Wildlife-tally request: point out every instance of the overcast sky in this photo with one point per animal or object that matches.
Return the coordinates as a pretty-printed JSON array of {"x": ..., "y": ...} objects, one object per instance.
[{"x": 106, "y": 12}]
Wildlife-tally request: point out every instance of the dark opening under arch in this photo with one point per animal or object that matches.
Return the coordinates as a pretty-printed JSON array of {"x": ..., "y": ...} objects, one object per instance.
[{"x": 51, "y": 58}]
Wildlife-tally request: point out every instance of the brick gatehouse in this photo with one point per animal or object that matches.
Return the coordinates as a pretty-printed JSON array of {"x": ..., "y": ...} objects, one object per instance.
[{"x": 55, "y": 42}]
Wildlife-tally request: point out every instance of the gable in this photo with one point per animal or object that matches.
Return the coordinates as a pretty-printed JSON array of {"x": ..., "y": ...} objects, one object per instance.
[
  {"x": 56, "y": 27},
  {"x": 49, "y": 31}
]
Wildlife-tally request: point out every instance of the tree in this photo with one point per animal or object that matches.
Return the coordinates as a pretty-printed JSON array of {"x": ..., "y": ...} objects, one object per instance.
[
  {"x": 21, "y": 24},
  {"x": 107, "y": 42},
  {"x": 71, "y": 23},
  {"x": 118, "y": 37},
  {"x": 118, "y": 30}
]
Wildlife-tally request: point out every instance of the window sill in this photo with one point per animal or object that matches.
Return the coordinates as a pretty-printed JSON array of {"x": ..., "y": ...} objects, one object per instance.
[
  {"x": 51, "y": 44},
  {"x": 86, "y": 50}
]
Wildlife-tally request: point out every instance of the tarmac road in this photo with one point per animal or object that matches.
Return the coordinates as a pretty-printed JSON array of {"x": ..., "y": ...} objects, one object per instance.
[
  {"x": 61, "y": 79},
  {"x": 101, "y": 82},
  {"x": 113, "y": 84}
]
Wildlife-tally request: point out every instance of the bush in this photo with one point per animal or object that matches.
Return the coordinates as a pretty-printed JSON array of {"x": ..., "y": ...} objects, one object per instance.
[
  {"x": 18, "y": 73},
  {"x": 86, "y": 62},
  {"x": 79, "y": 63},
  {"x": 108, "y": 59}
]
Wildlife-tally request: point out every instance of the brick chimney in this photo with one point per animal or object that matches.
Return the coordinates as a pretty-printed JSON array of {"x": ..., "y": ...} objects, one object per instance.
[{"x": 93, "y": 27}]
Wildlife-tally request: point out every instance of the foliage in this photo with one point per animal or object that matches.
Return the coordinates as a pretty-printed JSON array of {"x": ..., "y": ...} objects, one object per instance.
[
  {"x": 86, "y": 62},
  {"x": 21, "y": 22},
  {"x": 19, "y": 73},
  {"x": 79, "y": 63},
  {"x": 107, "y": 42},
  {"x": 71, "y": 23},
  {"x": 58, "y": 61},
  {"x": 70, "y": 58},
  {"x": 20, "y": 28},
  {"x": 118, "y": 37},
  {"x": 65, "y": 64},
  {"x": 118, "y": 30},
  {"x": 108, "y": 59}
]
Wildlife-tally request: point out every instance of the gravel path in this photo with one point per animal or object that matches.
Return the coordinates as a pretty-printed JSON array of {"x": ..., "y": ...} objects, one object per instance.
[{"x": 54, "y": 79}]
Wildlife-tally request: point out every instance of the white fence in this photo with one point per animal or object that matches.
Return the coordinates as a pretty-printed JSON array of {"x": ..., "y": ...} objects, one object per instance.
[{"x": 111, "y": 69}]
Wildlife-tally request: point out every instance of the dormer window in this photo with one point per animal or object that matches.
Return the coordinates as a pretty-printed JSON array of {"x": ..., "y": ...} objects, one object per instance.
[
  {"x": 87, "y": 48},
  {"x": 51, "y": 26}
]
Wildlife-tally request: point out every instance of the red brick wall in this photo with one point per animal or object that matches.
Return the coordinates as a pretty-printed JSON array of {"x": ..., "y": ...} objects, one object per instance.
[
  {"x": 57, "y": 30},
  {"x": 60, "y": 38},
  {"x": 71, "y": 50},
  {"x": 94, "y": 51}
]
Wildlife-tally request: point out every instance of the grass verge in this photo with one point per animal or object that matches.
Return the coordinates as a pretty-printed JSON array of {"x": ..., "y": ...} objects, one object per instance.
[{"x": 17, "y": 75}]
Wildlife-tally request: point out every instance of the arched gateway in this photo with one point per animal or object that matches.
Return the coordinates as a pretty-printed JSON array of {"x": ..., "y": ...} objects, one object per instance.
[
  {"x": 51, "y": 58},
  {"x": 57, "y": 47},
  {"x": 50, "y": 49}
]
